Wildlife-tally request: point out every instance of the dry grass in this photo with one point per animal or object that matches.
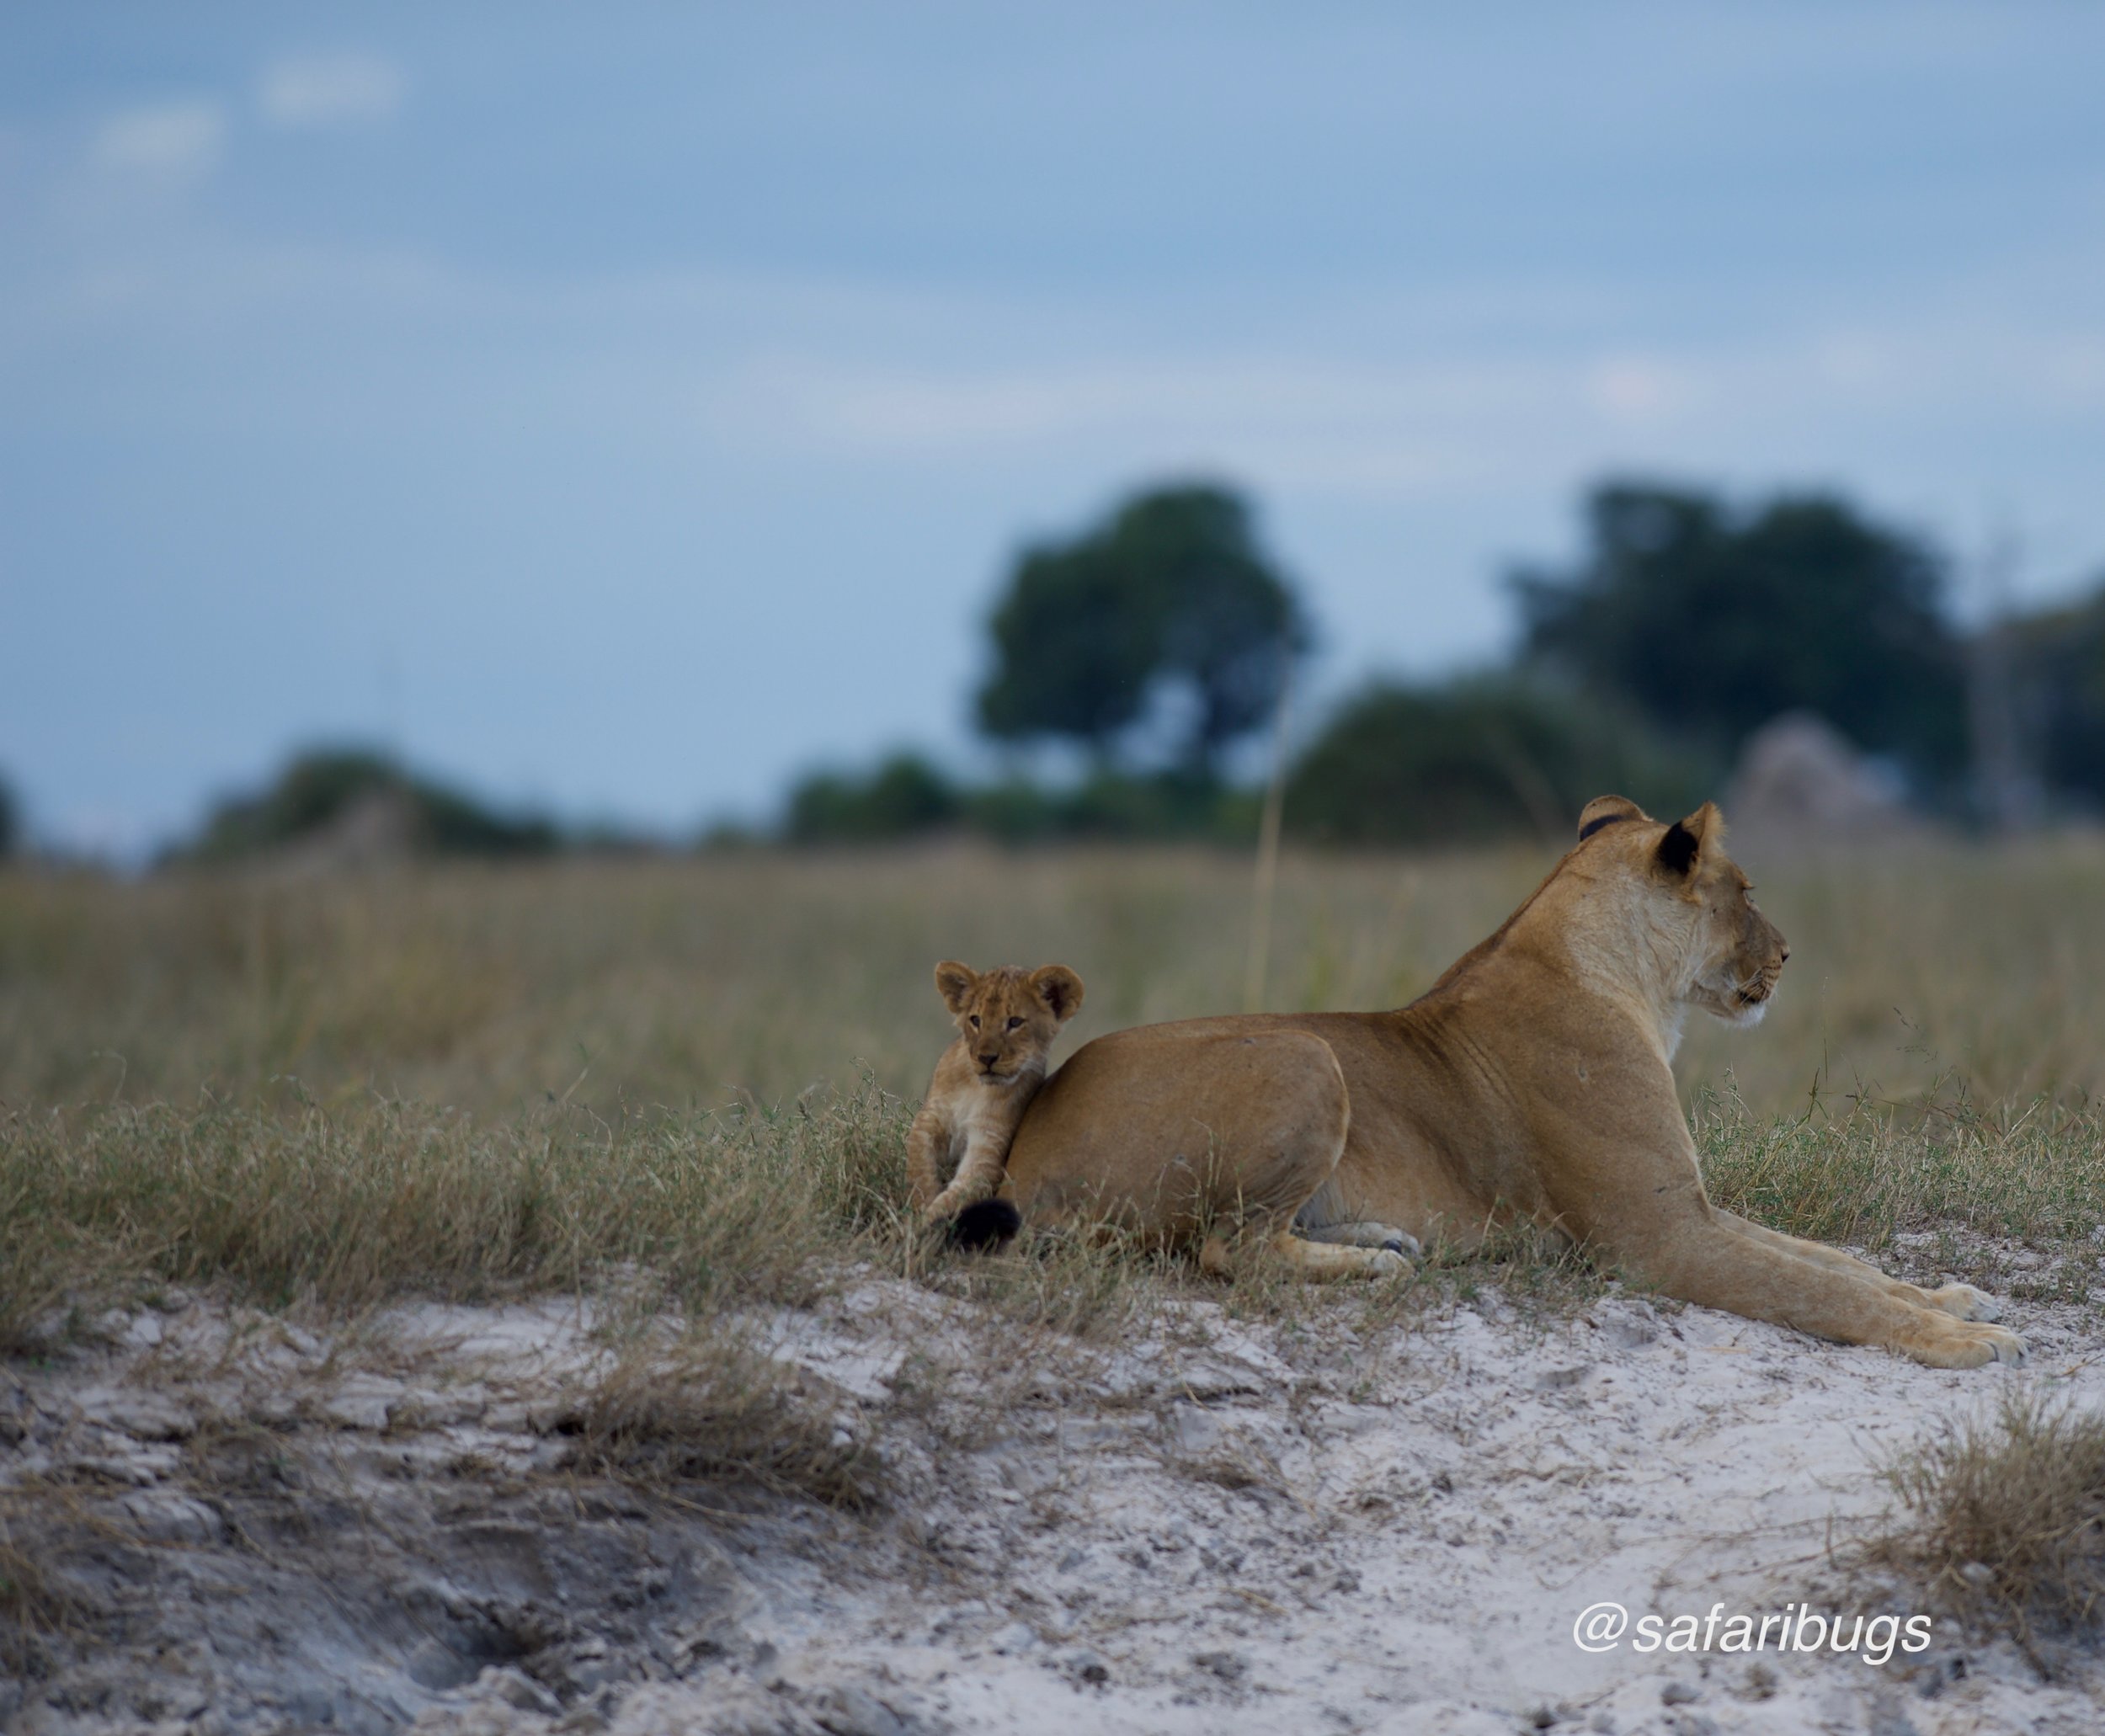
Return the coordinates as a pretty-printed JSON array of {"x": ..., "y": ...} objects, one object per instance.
[
  {"x": 2003, "y": 1518},
  {"x": 469, "y": 1081},
  {"x": 688, "y": 983},
  {"x": 350, "y": 1206},
  {"x": 712, "y": 1409},
  {"x": 2032, "y": 1174}
]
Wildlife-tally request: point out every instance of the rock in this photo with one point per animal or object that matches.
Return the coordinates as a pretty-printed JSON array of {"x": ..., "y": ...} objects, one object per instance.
[
  {"x": 843, "y": 1710},
  {"x": 162, "y": 1516},
  {"x": 143, "y": 1414},
  {"x": 364, "y": 1401},
  {"x": 517, "y": 1689},
  {"x": 1680, "y": 1694}
]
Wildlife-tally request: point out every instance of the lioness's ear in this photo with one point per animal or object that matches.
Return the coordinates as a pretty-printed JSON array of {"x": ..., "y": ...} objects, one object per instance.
[
  {"x": 1605, "y": 811},
  {"x": 1059, "y": 988},
  {"x": 955, "y": 983},
  {"x": 1682, "y": 847}
]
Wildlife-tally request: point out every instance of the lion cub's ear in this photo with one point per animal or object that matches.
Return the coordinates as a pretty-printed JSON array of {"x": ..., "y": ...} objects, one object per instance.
[
  {"x": 1059, "y": 988},
  {"x": 1682, "y": 846},
  {"x": 955, "y": 983},
  {"x": 1605, "y": 811}
]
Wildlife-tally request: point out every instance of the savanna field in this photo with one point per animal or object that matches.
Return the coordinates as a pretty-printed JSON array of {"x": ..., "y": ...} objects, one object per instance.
[
  {"x": 434, "y": 1079},
  {"x": 366, "y": 1232}
]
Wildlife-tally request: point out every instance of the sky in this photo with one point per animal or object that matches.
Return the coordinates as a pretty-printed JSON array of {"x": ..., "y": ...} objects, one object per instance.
[{"x": 626, "y": 408}]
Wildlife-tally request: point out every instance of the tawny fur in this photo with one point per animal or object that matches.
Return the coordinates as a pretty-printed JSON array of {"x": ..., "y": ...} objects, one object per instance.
[
  {"x": 1007, "y": 1019},
  {"x": 1531, "y": 1084}
]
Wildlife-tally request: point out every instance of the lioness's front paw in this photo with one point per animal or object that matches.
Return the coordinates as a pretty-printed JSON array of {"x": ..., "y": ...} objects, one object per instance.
[
  {"x": 1406, "y": 1245},
  {"x": 1962, "y": 1301},
  {"x": 1386, "y": 1262}
]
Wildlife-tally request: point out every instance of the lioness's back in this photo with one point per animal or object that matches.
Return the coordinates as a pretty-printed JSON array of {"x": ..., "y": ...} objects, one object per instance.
[{"x": 1216, "y": 1119}]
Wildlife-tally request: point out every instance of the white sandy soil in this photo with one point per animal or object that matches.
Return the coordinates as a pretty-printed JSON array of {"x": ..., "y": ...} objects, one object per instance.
[{"x": 1221, "y": 1527}]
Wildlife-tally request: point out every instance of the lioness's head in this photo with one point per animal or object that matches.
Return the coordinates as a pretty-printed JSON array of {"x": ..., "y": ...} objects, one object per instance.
[
  {"x": 1727, "y": 953},
  {"x": 1009, "y": 1016}
]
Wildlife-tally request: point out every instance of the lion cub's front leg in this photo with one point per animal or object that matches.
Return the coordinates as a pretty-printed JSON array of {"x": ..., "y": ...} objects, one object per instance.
[
  {"x": 988, "y": 1129},
  {"x": 978, "y": 1178},
  {"x": 928, "y": 1141}
]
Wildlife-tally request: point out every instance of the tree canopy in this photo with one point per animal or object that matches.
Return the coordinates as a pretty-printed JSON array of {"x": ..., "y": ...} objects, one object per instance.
[
  {"x": 2059, "y": 665},
  {"x": 1172, "y": 591},
  {"x": 1713, "y": 621},
  {"x": 1464, "y": 761},
  {"x": 317, "y": 786},
  {"x": 903, "y": 796}
]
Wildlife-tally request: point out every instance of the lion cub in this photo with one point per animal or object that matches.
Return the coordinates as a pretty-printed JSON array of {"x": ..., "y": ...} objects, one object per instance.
[{"x": 1006, "y": 1021}]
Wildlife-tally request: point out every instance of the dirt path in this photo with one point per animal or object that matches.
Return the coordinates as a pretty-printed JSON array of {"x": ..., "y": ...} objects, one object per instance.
[{"x": 238, "y": 1526}]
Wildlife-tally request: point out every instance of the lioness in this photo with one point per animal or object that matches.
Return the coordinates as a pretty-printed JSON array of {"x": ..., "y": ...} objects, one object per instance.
[
  {"x": 1531, "y": 1083},
  {"x": 1006, "y": 1021}
]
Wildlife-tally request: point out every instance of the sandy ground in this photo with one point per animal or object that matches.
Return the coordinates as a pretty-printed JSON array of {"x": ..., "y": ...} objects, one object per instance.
[{"x": 1219, "y": 1528}]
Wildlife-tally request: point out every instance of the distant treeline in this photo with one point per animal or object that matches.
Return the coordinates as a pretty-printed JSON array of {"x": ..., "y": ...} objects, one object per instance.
[
  {"x": 1128, "y": 662},
  {"x": 1151, "y": 643}
]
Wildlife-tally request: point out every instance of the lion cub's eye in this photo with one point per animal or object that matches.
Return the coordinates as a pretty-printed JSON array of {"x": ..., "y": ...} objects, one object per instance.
[
  {"x": 975, "y": 1021},
  {"x": 1014, "y": 1023}
]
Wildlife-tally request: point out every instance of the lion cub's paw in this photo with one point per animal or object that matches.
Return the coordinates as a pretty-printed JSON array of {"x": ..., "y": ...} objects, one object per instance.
[{"x": 1964, "y": 1302}]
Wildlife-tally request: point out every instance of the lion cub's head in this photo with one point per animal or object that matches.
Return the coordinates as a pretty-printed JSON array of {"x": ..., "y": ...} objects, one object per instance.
[
  {"x": 1008, "y": 1016},
  {"x": 1730, "y": 955}
]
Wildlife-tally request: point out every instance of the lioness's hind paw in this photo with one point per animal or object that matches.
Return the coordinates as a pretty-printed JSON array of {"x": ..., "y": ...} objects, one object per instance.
[
  {"x": 1980, "y": 1346},
  {"x": 2007, "y": 1346},
  {"x": 1964, "y": 1302}
]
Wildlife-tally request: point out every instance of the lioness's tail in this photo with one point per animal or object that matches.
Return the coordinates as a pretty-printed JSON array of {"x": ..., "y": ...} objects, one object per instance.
[{"x": 985, "y": 1224}]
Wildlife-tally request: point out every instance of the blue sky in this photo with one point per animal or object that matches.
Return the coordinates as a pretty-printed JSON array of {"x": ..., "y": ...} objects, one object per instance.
[{"x": 625, "y": 408}]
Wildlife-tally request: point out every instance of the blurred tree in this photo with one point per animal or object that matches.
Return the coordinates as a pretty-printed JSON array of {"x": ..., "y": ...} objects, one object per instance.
[
  {"x": 1173, "y": 590},
  {"x": 10, "y": 820},
  {"x": 904, "y": 796},
  {"x": 1714, "y": 622},
  {"x": 2058, "y": 671},
  {"x": 1477, "y": 759},
  {"x": 318, "y": 787}
]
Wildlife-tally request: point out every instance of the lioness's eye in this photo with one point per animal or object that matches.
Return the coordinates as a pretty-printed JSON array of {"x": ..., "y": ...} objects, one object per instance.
[
  {"x": 1013, "y": 1023},
  {"x": 975, "y": 1021}
]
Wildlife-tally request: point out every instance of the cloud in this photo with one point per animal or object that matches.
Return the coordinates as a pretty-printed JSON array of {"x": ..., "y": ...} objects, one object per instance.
[
  {"x": 329, "y": 90},
  {"x": 173, "y": 142}
]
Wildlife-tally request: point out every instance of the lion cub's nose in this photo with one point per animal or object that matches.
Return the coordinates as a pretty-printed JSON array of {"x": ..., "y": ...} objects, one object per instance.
[{"x": 988, "y": 1059}]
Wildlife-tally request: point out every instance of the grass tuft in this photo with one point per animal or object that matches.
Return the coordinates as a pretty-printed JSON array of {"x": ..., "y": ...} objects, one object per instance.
[
  {"x": 2003, "y": 1518},
  {"x": 714, "y": 1410}
]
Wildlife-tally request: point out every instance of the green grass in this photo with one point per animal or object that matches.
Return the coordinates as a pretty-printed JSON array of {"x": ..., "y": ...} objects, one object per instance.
[{"x": 2032, "y": 1174}]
